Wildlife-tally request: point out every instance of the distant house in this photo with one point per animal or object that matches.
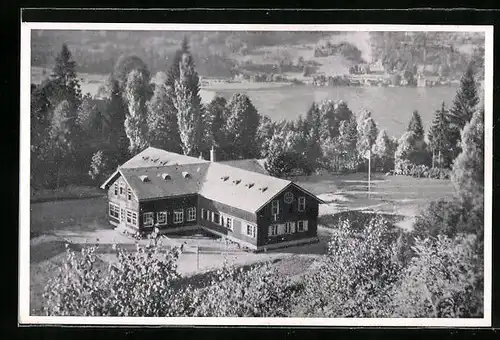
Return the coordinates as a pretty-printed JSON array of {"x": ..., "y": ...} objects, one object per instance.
[{"x": 172, "y": 192}]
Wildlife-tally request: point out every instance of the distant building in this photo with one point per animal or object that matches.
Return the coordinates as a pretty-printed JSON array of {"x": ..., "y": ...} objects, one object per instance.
[
  {"x": 421, "y": 80},
  {"x": 172, "y": 192}
]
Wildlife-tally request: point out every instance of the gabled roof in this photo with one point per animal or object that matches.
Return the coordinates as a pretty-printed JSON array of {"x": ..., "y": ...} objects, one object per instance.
[
  {"x": 252, "y": 164},
  {"x": 175, "y": 184},
  {"x": 240, "y": 195},
  {"x": 158, "y": 157},
  {"x": 183, "y": 175}
]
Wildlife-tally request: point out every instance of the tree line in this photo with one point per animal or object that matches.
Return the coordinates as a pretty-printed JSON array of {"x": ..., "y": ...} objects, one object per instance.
[{"x": 72, "y": 133}]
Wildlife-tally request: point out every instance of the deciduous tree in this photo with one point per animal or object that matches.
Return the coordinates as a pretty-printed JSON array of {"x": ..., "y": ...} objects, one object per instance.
[
  {"x": 242, "y": 125},
  {"x": 162, "y": 121},
  {"x": 136, "y": 125}
]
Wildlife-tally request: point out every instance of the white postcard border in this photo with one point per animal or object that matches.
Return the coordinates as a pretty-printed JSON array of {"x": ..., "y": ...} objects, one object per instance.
[{"x": 24, "y": 316}]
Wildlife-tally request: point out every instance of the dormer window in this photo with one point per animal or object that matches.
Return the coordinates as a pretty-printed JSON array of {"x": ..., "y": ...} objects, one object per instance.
[
  {"x": 185, "y": 174},
  {"x": 224, "y": 178},
  {"x": 249, "y": 185},
  {"x": 263, "y": 189},
  {"x": 165, "y": 176},
  {"x": 237, "y": 181},
  {"x": 144, "y": 178}
]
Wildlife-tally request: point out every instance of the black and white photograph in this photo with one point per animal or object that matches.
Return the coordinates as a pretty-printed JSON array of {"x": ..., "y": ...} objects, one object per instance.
[{"x": 200, "y": 174}]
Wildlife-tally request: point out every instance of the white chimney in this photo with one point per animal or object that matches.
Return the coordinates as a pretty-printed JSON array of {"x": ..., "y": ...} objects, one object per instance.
[{"x": 212, "y": 154}]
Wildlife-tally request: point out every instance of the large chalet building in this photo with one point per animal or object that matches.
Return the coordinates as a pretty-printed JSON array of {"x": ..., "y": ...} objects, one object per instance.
[{"x": 173, "y": 192}]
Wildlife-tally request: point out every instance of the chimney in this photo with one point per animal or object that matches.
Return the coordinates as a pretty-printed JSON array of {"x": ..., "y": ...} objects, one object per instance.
[{"x": 212, "y": 154}]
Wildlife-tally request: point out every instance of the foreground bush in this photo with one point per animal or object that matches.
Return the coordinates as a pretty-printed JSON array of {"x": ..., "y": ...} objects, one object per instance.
[
  {"x": 258, "y": 292},
  {"x": 146, "y": 283},
  {"x": 443, "y": 280},
  {"x": 355, "y": 278},
  {"x": 140, "y": 284}
]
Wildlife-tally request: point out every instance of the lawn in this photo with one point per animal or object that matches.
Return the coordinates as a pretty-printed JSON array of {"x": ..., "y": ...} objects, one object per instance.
[
  {"x": 402, "y": 195},
  {"x": 74, "y": 214}
]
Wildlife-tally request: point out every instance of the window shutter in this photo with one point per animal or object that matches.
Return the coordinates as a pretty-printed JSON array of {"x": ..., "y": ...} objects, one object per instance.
[
  {"x": 292, "y": 228},
  {"x": 305, "y": 225},
  {"x": 269, "y": 230}
]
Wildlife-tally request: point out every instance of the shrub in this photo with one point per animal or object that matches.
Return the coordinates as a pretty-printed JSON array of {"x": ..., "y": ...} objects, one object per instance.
[
  {"x": 355, "y": 277},
  {"x": 443, "y": 280},
  {"x": 448, "y": 217},
  {"x": 140, "y": 284},
  {"x": 256, "y": 292},
  {"x": 146, "y": 283}
]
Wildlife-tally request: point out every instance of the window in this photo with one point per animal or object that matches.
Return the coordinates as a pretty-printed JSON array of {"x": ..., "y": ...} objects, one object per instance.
[
  {"x": 275, "y": 207},
  {"x": 129, "y": 194},
  {"x": 114, "y": 210},
  {"x": 288, "y": 227},
  {"x": 251, "y": 230},
  {"x": 115, "y": 187},
  {"x": 191, "y": 214},
  {"x": 178, "y": 216},
  {"x": 229, "y": 223},
  {"x": 302, "y": 203},
  {"x": 302, "y": 226},
  {"x": 122, "y": 188},
  {"x": 216, "y": 218},
  {"x": 161, "y": 217},
  {"x": 147, "y": 219},
  {"x": 203, "y": 214},
  {"x": 273, "y": 230},
  {"x": 131, "y": 217}
]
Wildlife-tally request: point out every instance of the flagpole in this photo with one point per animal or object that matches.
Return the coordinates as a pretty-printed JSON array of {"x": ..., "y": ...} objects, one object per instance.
[{"x": 369, "y": 170}]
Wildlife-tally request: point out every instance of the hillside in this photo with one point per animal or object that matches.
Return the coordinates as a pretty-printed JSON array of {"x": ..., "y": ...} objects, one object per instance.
[{"x": 225, "y": 54}]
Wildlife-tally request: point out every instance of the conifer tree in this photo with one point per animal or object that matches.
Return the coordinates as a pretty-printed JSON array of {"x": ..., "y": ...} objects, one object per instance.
[
  {"x": 136, "y": 122},
  {"x": 466, "y": 100},
  {"x": 416, "y": 126},
  {"x": 65, "y": 84},
  {"x": 468, "y": 168},
  {"x": 464, "y": 106},
  {"x": 439, "y": 137}
]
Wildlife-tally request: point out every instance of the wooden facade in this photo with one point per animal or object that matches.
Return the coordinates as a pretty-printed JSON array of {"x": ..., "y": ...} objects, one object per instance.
[{"x": 255, "y": 210}]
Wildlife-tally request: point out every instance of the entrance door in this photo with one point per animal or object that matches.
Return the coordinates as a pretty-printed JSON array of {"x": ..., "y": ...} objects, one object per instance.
[{"x": 123, "y": 215}]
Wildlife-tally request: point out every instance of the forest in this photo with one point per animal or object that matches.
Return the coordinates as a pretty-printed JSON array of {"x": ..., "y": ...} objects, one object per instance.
[{"x": 434, "y": 271}]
